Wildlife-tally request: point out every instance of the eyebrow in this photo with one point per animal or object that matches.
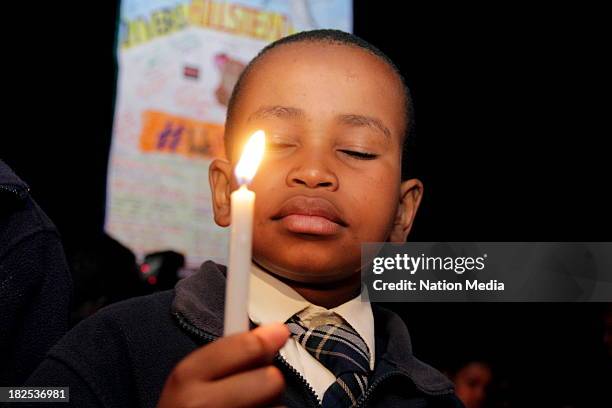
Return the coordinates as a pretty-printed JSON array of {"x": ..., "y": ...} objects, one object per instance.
[
  {"x": 361, "y": 120},
  {"x": 278, "y": 111},
  {"x": 289, "y": 112}
]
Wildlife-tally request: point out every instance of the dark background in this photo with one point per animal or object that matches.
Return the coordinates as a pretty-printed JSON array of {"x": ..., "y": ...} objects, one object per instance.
[{"x": 508, "y": 143}]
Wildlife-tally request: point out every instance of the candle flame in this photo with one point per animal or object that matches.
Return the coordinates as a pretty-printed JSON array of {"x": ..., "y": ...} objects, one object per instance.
[{"x": 251, "y": 157}]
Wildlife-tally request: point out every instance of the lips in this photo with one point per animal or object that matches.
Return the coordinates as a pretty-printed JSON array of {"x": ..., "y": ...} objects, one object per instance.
[{"x": 310, "y": 215}]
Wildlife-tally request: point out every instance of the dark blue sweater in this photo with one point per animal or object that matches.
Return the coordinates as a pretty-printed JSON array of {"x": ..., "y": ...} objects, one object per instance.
[
  {"x": 121, "y": 356},
  {"x": 35, "y": 283}
]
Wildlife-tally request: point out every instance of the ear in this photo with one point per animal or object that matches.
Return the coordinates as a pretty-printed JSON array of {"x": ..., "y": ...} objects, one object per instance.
[
  {"x": 219, "y": 177},
  {"x": 411, "y": 192}
]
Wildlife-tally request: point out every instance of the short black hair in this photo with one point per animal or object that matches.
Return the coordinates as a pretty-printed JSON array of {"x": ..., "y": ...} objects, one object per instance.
[{"x": 336, "y": 37}]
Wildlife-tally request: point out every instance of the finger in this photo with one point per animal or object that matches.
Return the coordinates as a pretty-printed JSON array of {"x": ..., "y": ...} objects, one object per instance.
[
  {"x": 235, "y": 353},
  {"x": 254, "y": 388},
  {"x": 260, "y": 387}
]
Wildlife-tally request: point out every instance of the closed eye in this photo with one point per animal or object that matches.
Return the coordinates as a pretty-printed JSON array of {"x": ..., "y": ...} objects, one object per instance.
[
  {"x": 359, "y": 155},
  {"x": 278, "y": 146}
]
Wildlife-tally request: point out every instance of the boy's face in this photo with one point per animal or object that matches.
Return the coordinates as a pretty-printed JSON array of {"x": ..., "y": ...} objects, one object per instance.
[{"x": 330, "y": 178}]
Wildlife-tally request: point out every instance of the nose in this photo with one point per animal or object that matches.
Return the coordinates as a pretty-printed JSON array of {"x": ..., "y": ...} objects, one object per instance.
[{"x": 312, "y": 172}]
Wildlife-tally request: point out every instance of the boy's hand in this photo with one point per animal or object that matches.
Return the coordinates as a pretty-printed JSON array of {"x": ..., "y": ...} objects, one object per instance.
[{"x": 234, "y": 371}]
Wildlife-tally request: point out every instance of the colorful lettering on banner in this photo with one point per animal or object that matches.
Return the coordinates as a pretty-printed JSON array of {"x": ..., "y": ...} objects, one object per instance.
[{"x": 162, "y": 132}]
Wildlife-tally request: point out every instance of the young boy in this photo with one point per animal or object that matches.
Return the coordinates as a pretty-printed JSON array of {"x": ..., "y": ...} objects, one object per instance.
[{"x": 336, "y": 113}]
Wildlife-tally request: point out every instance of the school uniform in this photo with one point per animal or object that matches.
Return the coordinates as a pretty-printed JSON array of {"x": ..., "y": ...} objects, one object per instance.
[{"x": 122, "y": 355}]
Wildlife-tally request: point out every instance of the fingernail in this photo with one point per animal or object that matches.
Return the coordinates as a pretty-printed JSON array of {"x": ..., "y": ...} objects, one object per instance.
[{"x": 274, "y": 333}]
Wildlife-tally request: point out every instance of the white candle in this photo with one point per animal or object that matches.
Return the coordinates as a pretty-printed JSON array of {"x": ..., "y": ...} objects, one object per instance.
[{"x": 241, "y": 237}]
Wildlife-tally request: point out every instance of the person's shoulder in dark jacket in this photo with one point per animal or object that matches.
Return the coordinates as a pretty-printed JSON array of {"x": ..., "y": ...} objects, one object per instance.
[
  {"x": 118, "y": 357},
  {"x": 35, "y": 282}
]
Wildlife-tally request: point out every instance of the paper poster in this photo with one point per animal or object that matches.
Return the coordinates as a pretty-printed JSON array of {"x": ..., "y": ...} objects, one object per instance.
[{"x": 178, "y": 62}]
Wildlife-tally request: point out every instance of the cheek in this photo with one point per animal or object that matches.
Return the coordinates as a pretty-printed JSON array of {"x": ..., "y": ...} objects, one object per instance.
[
  {"x": 268, "y": 190},
  {"x": 375, "y": 198}
]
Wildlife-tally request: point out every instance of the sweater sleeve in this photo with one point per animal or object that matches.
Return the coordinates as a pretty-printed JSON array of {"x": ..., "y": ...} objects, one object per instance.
[
  {"x": 55, "y": 373},
  {"x": 94, "y": 361}
]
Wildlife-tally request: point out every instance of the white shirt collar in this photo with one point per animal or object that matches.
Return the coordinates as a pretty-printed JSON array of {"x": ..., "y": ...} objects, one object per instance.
[{"x": 271, "y": 300}]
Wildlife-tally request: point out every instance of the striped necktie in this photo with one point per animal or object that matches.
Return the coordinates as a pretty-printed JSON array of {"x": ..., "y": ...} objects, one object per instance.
[{"x": 337, "y": 346}]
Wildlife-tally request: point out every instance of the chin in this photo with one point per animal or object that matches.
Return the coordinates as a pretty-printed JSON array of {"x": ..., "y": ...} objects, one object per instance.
[{"x": 308, "y": 269}]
